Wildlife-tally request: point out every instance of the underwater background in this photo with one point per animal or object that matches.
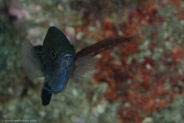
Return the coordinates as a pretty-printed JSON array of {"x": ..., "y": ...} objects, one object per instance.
[{"x": 132, "y": 83}]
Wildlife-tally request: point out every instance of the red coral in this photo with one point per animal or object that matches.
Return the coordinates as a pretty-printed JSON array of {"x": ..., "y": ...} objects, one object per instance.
[{"x": 142, "y": 85}]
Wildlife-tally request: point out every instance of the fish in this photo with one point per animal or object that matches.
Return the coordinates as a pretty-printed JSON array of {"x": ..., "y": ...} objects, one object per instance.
[{"x": 57, "y": 61}]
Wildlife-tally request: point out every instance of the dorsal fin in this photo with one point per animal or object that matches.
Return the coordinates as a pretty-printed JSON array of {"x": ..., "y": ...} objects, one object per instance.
[{"x": 106, "y": 44}]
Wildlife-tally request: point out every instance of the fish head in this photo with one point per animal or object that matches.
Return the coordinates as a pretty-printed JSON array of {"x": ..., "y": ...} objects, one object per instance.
[{"x": 58, "y": 58}]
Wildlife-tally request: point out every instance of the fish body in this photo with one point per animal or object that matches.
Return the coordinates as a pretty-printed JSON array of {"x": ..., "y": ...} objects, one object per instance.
[
  {"x": 58, "y": 57},
  {"x": 54, "y": 61},
  {"x": 57, "y": 61}
]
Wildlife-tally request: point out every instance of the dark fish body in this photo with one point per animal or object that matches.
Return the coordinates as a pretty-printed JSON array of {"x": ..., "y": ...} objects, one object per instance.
[
  {"x": 54, "y": 61},
  {"x": 57, "y": 62},
  {"x": 57, "y": 56}
]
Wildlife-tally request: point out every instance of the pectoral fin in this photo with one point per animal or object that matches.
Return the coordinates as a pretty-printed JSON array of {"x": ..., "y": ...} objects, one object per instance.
[
  {"x": 82, "y": 66},
  {"x": 31, "y": 62}
]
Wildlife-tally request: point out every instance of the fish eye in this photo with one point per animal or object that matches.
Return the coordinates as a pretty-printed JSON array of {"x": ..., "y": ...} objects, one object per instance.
[{"x": 53, "y": 53}]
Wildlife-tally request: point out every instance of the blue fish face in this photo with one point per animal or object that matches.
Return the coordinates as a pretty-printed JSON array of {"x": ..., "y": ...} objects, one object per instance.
[{"x": 58, "y": 72}]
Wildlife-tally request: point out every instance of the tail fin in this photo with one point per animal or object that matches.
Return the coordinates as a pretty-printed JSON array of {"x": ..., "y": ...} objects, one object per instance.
[{"x": 82, "y": 66}]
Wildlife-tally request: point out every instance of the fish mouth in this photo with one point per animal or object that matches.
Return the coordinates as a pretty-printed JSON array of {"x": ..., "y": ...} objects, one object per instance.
[{"x": 57, "y": 81}]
